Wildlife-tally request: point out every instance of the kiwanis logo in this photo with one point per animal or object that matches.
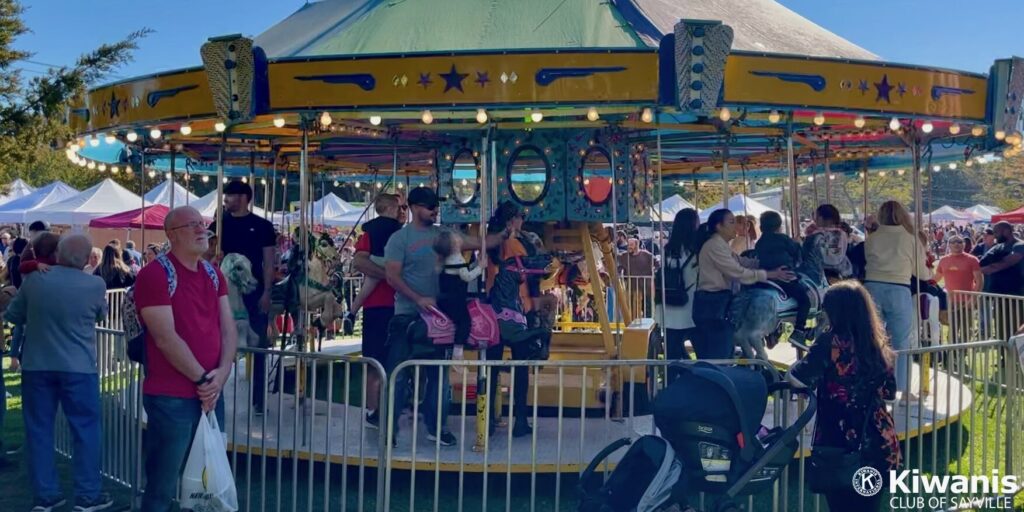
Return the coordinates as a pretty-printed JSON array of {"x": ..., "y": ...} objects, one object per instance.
[{"x": 867, "y": 481}]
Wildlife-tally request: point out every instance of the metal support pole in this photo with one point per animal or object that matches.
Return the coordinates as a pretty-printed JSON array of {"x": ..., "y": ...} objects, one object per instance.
[
  {"x": 304, "y": 227},
  {"x": 142, "y": 187},
  {"x": 864, "y": 177},
  {"x": 725, "y": 173},
  {"x": 394, "y": 169},
  {"x": 828, "y": 173},
  {"x": 794, "y": 204},
  {"x": 252, "y": 176},
  {"x": 220, "y": 190},
  {"x": 174, "y": 156}
]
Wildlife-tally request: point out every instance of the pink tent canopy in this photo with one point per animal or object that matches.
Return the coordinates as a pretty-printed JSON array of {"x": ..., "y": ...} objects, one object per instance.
[{"x": 151, "y": 218}]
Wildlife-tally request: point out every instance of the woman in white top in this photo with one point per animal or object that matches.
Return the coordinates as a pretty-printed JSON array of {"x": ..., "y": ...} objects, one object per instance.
[
  {"x": 680, "y": 253},
  {"x": 894, "y": 255}
]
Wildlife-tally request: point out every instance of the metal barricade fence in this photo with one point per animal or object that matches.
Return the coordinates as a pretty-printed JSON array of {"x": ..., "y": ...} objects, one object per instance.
[
  {"x": 977, "y": 316},
  {"x": 311, "y": 448}
]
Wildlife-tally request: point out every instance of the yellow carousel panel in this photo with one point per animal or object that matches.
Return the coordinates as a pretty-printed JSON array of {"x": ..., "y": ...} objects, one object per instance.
[{"x": 177, "y": 95}]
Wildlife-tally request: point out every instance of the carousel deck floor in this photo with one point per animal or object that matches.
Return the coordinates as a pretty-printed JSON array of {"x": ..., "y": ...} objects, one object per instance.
[{"x": 341, "y": 436}]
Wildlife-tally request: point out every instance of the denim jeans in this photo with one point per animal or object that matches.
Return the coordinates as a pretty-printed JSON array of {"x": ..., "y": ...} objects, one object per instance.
[
  {"x": 402, "y": 349},
  {"x": 714, "y": 339},
  {"x": 78, "y": 395},
  {"x": 896, "y": 308},
  {"x": 170, "y": 425}
]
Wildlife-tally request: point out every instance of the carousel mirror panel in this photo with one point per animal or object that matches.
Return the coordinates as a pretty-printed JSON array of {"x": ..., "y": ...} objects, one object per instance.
[
  {"x": 531, "y": 171},
  {"x": 459, "y": 171},
  {"x": 602, "y": 179}
]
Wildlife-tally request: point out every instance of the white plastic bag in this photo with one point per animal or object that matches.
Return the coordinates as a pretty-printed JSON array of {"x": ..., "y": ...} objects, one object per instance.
[{"x": 207, "y": 484}]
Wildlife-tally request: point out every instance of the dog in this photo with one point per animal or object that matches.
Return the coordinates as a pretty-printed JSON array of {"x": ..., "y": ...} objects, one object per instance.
[{"x": 238, "y": 271}]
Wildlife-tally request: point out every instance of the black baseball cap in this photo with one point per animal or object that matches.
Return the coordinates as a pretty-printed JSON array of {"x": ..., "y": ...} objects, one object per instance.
[
  {"x": 237, "y": 187},
  {"x": 422, "y": 196}
]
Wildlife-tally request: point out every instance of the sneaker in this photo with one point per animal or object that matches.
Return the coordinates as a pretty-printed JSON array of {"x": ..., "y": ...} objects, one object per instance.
[
  {"x": 102, "y": 501},
  {"x": 48, "y": 505},
  {"x": 447, "y": 438},
  {"x": 348, "y": 324},
  {"x": 373, "y": 420}
]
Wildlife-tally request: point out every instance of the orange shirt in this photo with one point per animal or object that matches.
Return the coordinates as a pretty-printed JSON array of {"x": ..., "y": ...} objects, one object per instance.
[
  {"x": 958, "y": 271},
  {"x": 510, "y": 249}
]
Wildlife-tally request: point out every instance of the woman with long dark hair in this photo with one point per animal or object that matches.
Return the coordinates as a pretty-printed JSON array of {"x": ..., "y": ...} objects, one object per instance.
[
  {"x": 674, "y": 297},
  {"x": 718, "y": 269},
  {"x": 114, "y": 271},
  {"x": 850, "y": 366}
]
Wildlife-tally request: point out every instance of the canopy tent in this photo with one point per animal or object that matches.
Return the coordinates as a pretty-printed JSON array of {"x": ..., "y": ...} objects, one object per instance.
[
  {"x": 161, "y": 194},
  {"x": 983, "y": 212},
  {"x": 950, "y": 214},
  {"x": 207, "y": 205},
  {"x": 740, "y": 204},
  {"x": 17, "y": 189},
  {"x": 19, "y": 210},
  {"x": 327, "y": 207},
  {"x": 104, "y": 198},
  {"x": 151, "y": 217},
  {"x": 1013, "y": 217},
  {"x": 667, "y": 210}
]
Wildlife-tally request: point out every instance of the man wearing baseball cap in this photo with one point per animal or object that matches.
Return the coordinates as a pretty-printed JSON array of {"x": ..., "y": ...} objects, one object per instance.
[
  {"x": 411, "y": 268},
  {"x": 1003, "y": 266}
]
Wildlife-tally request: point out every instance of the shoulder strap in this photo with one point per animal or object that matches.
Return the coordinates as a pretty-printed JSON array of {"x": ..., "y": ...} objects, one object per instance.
[
  {"x": 212, "y": 272},
  {"x": 172, "y": 275}
]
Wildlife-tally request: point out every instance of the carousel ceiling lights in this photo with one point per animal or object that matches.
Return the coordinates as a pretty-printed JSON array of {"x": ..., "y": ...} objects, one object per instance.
[
  {"x": 969, "y": 163},
  {"x": 936, "y": 168},
  {"x": 1000, "y": 135},
  {"x": 206, "y": 179},
  {"x": 113, "y": 169},
  {"x": 954, "y": 129},
  {"x": 978, "y": 131},
  {"x": 245, "y": 180},
  {"x": 225, "y": 180},
  {"x": 952, "y": 166},
  {"x": 927, "y": 127},
  {"x": 774, "y": 117},
  {"x": 128, "y": 169},
  {"x": 155, "y": 133},
  {"x": 900, "y": 171},
  {"x": 220, "y": 127},
  {"x": 91, "y": 165},
  {"x": 894, "y": 124},
  {"x": 279, "y": 122},
  {"x": 82, "y": 162},
  {"x": 427, "y": 117},
  {"x": 167, "y": 175},
  {"x": 376, "y": 120},
  {"x": 536, "y": 116},
  {"x": 74, "y": 147},
  {"x": 152, "y": 174},
  {"x": 185, "y": 129},
  {"x": 132, "y": 136},
  {"x": 819, "y": 119},
  {"x": 325, "y": 119},
  {"x": 101, "y": 167},
  {"x": 109, "y": 138},
  {"x": 94, "y": 141},
  {"x": 725, "y": 114},
  {"x": 481, "y": 116},
  {"x": 859, "y": 122},
  {"x": 592, "y": 114},
  {"x": 647, "y": 115},
  {"x": 263, "y": 181}
]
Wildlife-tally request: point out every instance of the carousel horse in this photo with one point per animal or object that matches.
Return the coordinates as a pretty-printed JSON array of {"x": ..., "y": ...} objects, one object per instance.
[
  {"x": 312, "y": 290},
  {"x": 238, "y": 271},
  {"x": 759, "y": 310}
]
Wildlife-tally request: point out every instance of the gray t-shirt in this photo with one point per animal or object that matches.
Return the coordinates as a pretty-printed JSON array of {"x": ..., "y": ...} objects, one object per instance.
[
  {"x": 60, "y": 335},
  {"x": 413, "y": 247}
]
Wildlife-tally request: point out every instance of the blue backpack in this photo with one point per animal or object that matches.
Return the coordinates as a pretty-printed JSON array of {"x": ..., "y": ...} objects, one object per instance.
[{"x": 134, "y": 329}]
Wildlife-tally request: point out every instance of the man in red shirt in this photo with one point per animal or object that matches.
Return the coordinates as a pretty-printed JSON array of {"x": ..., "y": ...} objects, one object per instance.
[
  {"x": 190, "y": 347},
  {"x": 959, "y": 270},
  {"x": 379, "y": 306}
]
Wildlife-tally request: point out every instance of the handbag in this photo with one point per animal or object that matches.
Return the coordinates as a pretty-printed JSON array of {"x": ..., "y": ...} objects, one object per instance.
[
  {"x": 711, "y": 306},
  {"x": 832, "y": 468}
]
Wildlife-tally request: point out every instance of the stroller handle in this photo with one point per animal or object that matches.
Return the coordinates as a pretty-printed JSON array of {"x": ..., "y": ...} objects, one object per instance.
[
  {"x": 812, "y": 400},
  {"x": 602, "y": 455}
]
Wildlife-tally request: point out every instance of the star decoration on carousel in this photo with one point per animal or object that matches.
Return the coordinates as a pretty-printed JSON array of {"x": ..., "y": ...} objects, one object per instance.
[
  {"x": 453, "y": 79},
  {"x": 884, "y": 89},
  {"x": 863, "y": 86},
  {"x": 425, "y": 80},
  {"x": 114, "y": 104},
  {"x": 901, "y": 88},
  {"x": 482, "y": 78}
]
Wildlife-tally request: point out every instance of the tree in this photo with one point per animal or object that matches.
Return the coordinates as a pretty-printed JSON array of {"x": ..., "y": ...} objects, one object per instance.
[{"x": 32, "y": 112}]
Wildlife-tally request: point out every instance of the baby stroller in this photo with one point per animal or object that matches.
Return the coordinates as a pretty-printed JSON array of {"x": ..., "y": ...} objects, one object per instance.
[{"x": 710, "y": 423}]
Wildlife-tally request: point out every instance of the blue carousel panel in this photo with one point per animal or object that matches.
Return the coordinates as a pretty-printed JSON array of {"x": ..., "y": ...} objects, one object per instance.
[
  {"x": 599, "y": 181},
  {"x": 459, "y": 177},
  {"x": 530, "y": 173}
]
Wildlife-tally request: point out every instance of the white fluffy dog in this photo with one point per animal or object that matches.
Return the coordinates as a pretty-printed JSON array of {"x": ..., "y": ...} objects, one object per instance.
[{"x": 238, "y": 271}]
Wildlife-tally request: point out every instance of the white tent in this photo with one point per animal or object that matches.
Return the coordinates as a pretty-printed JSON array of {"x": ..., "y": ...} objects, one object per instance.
[
  {"x": 20, "y": 210},
  {"x": 161, "y": 194},
  {"x": 104, "y": 198},
  {"x": 207, "y": 205},
  {"x": 17, "y": 189},
  {"x": 950, "y": 214},
  {"x": 328, "y": 207},
  {"x": 668, "y": 208},
  {"x": 739, "y": 205},
  {"x": 983, "y": 212}
]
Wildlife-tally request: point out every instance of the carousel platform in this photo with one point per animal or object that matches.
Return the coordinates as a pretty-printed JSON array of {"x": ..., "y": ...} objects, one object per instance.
[{"x": 338, "y": 433}]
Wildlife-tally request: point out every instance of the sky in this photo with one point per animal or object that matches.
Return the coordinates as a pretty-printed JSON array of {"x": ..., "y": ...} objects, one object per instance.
[{"x": 966, "y": 35}]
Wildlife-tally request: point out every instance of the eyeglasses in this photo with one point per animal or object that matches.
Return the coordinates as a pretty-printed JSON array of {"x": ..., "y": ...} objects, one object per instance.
[{"x": 192, "y": 225}]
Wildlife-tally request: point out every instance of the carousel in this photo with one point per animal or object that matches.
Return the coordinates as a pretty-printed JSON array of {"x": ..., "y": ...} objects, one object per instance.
[{"x": 579, "y": 113}]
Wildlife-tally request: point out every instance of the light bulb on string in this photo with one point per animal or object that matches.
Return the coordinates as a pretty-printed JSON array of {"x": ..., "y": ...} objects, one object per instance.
[
  {"x": 245, "y": 180},
  {"x": 647, "y": 115},
  {"x": 481, "y": 116},
  {"x": 427, "y": 117},
  {"x": 537, "y": 116},
  {"x": 954, "y": 129},
  {"x": 155, "y": 133},
  {"x": 167, "y": 175},
  {"x": 128, "y": 169},
  {"x": 206, "y": 179},
  {"x": 284, "y": 181},
  {"x": 74, "y": 147},
  {"x": 900, "y": 172},
  {"x": 101, "y": 167},
  {"x": 219, "y": 126},
  {"x": 894, "y": 124},
  {"x": 94, "y": 141},
  {"x": 132, "y": 136},
  {"x": 279, "y": 122},
  {"x": 977, "y": 131},
  {"x": 1000, "y": 135},
  {"x": 325, "y": 119},
  {"x": 152, "y": 174},
  {"x": 225, "y": 180},
  {"x": 819, "y": 119},
  {"x": 263, "y": 181},
  {"x": 859, "y": 122},
  {"x": 592, "y": 114},
  {"x": 724, "y": 114},
  {"x": 952, "y": 166},
  {"x": 936, "y": 168},
  {"x": 774, "y": 117},
  {"x": 185, "y": 129},
  {"x": 109, "y": 138},
  {"x": 113, "y": 169},
  {"x": 376, "y": 120},
  {"x": 91, "y": 165},
  {"x": 82, "y": 162},
  {"x": 927, "y": 127}
]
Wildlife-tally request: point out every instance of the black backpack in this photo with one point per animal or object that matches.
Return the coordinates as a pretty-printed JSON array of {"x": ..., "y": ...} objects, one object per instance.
[
  {"x": 646, "y": 479},
  {"x": 670, "y": 282}
]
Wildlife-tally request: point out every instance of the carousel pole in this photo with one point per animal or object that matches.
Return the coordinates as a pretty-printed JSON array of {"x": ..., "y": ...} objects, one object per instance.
[
  {"x": 661, "y": 225},
  {"x": 174, "y": 156},
  {"x": 219, "y": 215},
  {"x": 828, "y": 173},
  {"x": 188, "y": 181},
  {"x": 304, "y": 227},
  {"x": 915, "y": 149},
  {"x": 864, "y": 177},
  {"x": 273, "y": 189},
  {"x": 394, "y": 168},
  {"x": 252, "y": 176},
  {"x": 142, "y": 187},
  {"x": 794, "y": 204},
  {"x": 725, "y": 173},
  {"x": 483, "y": 404}
]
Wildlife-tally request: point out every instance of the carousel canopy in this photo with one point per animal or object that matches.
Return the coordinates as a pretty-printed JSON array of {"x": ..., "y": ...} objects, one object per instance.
[
  {"x": 739, "y": 204},
  {"x": 104, "y": 198},
  {"x": 17, "y": 189},
  {"x": 348, "y": 27},
  {"x": 150, "y": 217},
  {"x": 18, "y": 209},
  {"x": 161, "y": 194},
  {"x": 950, "y": 214}
]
